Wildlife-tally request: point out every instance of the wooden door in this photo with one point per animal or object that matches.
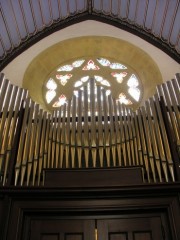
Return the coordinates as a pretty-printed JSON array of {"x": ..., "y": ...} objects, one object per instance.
[
  {"x": 137, "y": 228},
  {"x": 122, "y": 228},
  {"x": 66, "y": 229}
]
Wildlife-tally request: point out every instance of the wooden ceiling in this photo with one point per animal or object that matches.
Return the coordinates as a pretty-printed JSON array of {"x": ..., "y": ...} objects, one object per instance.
[{"x": 24, "y": 22}]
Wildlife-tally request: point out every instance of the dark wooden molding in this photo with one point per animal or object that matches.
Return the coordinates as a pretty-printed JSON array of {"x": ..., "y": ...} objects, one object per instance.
[
  {"x": 163, "y": 189},
  {"x": 90, "y": 177},
  {"x": 26, "y": 205}
]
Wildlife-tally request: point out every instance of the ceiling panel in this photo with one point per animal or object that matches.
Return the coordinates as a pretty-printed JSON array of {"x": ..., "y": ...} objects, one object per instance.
[{"x": 157, "y": 21}]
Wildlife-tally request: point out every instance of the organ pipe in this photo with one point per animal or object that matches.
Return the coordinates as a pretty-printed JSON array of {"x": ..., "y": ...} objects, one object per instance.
[{"x": 88, "y": 132}]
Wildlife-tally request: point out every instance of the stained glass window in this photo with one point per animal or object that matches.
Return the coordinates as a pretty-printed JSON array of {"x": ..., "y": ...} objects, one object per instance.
[
  {"x": 98, "y": 78},
  {"x": 124, "y": 85},
  {"x": 123, "y": 99},
  {"x": 84, "y": 79},
  {"x": 104, "y": 62},
  {"x": 117, "y": 66},
  {"x": 135, "y": 93},
  {"x": 119, "y": 76},
  {"x": 66, "y": 68},
  {"x": 60, "y": 102},
  {"x": 90, "y": 66},
  {"x": 133, "y": 81},
  {"x": 51, "y": 84},
  {"x": 105, "y": 82},
  {"x": 76, "y": 93},
  {"x": 108, "y": 92},
  {"x": 50, "y": 95},
  {"x": 78, "y": 84},
  {"x": 77, "y": 63},
  {"x": 63, "y": 78},
  {"x": 133, "y": 90}
]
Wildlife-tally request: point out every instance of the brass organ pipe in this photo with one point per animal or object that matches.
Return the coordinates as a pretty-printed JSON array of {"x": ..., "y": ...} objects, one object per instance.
[
  {"x": 112, "y": 127},
  {"x": 3, "y": 90},
  {"x": 154, "y": 134},
  {"x": 106, "y": 128},
  {"x": 32, "y": 143},
  {"x": 117, "y": 130},
  {"x": 79, "y": 129},
  {"x": 127, "y": 140},
  {"x": 37, "y": 145},
  {"x": 165, "y": 139},
  {"x": 21, "y": 142},
  {"x": 21, "y": 94},
  {"x": 176, "y": 96},
  {"x": 5, "y": 122},
  {"x": 153, "y": 139},
  {"x": 86, "y": 127},
  {"x": 122, "y": 133},
  {"x": 26, "y": 142},
  {"x": 6, "y": 129},
  {"x": 67, "y": 137},
  {"x": 158, "y": 136},
  {"x": 58, "y": 136},
  {"x": 21, "y": 97},
  {"x": 42, "y": 145},
  {"x": 176, "y": 111},
  {"x": 1, "y": 81},
  {"x": 176, "y": 85},
  {"x": 177, "y": 76},
  {"x": 129, "y": 125},
  {"x": 170, "y": 111},
  {"x": 144, "y": 149},
  {"x": 60, "y": 148},
  {"x": 46, "y": 142},
  {"x": 73, "y": 130},
  {"x": 50, "y": 142},
  {"x": 173, "y": 97},
  {"x": 92, "y": 110},
  {"x": 100, "y": 125},
  {"x": 93, "y": 122},
  {"x": 4, "y": 113},
  {"x": 53, "y": 144},
  {"x": 73, "y": 121},
  {"x": 163, "y": 130},
  {"x": 134, "y": 138},
  {"x": 148, "y": 142},
  {"x": 140, "y": 161}
]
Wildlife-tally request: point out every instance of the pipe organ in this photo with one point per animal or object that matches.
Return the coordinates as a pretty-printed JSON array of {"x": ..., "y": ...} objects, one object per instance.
[{"x": 89, "y": 131}]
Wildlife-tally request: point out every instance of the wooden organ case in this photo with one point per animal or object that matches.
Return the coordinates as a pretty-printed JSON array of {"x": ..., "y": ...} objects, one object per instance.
[{"x": 95, "y": 170}]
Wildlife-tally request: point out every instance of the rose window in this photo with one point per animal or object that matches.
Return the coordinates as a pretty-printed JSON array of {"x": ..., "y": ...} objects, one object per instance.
[{"x": 116, "y": 78}]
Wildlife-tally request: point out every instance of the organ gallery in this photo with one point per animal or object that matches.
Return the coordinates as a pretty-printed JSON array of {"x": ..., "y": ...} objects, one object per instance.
[{"x": 89, "y": 120}]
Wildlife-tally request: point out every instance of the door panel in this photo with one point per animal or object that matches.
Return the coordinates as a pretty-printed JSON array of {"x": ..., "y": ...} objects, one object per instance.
[
  {"x": 127, "y": 228},
  {"x": 145, "y": 228},
  {"x": 50, "y": 237},
  {"x": 142, "y": 236},
  {"x": 68, "y": 229},
  {"x": 118, "y": 236}
]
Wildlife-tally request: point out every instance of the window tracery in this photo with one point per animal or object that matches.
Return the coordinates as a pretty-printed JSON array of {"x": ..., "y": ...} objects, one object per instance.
[{"x": 70, "y": 77}]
